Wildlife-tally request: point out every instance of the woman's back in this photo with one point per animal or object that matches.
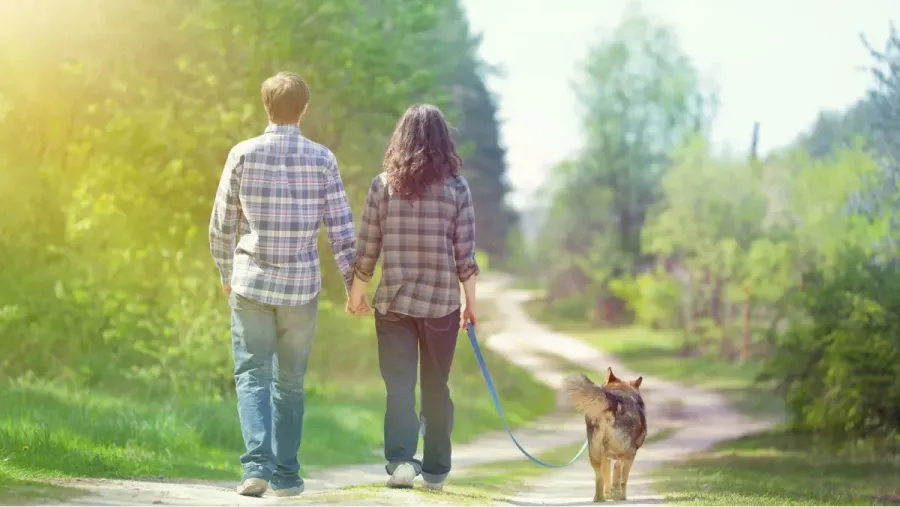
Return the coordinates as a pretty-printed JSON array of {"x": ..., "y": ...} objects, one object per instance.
[
  {"x": 426, "y": 244},
  {"x": 420, "y": 220}
]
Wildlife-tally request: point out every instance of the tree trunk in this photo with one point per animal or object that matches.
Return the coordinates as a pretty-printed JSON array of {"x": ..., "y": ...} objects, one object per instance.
[
  {"x": 688, "y": 309},
  {"x": 745, "y": 334},
  {"x": 725, "y": 322}
]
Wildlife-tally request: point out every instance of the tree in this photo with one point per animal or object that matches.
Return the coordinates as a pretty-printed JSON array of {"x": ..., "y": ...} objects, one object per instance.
[
  {"x": 117, "y": 116},
  {"x": 640, "y": 97}
]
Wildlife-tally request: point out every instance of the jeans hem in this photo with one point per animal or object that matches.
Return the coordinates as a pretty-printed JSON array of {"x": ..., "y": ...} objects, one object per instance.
[
  {"x": 434, "y": 478},
  {"x": 256, "y": 473},
  {"x": 392, "y": 466},
  {"x": 281, "y": 483}
]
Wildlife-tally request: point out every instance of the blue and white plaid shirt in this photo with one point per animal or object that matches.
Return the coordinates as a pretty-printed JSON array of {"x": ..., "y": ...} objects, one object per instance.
[{"x": 275, "y": 191}]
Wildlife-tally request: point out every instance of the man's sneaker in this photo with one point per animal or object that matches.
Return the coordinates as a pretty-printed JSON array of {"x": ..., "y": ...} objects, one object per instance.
[
  {"x": 285, "y": 492},
  {"x": 403, "y": 476},
  {"x": 433, "y": 486},
  {"x": 253, "y": 487}
]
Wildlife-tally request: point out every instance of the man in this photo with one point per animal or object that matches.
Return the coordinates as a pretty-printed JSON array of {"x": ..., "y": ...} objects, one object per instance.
[{"x": 275, "y": 191}]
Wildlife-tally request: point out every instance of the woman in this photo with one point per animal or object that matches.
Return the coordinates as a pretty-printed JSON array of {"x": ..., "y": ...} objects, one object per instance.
[{"x": 419, "y": 218}]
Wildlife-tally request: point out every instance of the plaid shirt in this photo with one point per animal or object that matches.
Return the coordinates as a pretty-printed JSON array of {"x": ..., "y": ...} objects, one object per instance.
[
  {"x": 275, "y": 191},
  {"x": 427, "y": 246}
]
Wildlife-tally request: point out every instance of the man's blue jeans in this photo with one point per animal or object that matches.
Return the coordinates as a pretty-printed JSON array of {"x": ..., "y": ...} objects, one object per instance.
[{"x": 271, "y": 351}]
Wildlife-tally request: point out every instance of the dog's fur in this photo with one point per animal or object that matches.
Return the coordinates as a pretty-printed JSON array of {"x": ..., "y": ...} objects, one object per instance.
[{"x": 616, "y": 428}]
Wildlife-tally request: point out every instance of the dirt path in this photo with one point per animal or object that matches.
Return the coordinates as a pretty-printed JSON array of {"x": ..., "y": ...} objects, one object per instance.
[{"x": 701, "y": 417}]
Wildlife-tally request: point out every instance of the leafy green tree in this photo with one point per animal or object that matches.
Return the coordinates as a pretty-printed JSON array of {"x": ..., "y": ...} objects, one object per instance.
[
  {"x": 640, "y": 97},
  {"x": 116, "y": 117}
]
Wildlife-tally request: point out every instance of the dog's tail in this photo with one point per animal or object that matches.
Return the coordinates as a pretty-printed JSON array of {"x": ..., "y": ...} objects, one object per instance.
[{"x": 586, "y": 396}]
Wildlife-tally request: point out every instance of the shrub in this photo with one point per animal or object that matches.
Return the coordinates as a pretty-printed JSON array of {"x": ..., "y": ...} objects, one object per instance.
[
  {"x": 838, "y": 366},
  {"x": 655, "y": 298}
]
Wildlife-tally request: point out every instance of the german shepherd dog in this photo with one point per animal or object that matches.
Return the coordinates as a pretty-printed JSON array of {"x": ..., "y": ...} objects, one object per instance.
[{"x": 616, "y": 428}]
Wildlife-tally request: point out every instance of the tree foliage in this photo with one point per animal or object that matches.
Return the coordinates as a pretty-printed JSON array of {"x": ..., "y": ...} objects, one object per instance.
[
  {"x": 640, "y": 97},
  {"x": 789, "y": 260},
  {"x": 116, "y": 117}
]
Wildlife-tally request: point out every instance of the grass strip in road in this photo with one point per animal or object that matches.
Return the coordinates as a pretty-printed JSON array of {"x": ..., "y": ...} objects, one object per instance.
[
  {"x": 655, "y": 353},
  {"x": 17, "y": 491}
]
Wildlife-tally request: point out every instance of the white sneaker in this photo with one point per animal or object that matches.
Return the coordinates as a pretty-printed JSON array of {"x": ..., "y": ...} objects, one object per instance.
[
  {"x": 433, "y": 486},
  {"x": 253, "y": 487},
  {"x": 403, "y": 476},
  {"x": 286, "y": 492}
]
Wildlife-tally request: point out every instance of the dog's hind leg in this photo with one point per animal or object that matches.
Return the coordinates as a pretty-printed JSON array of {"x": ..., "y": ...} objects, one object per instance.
[
  {"x": 616, "y": 493},
  {"x": 623, "y": 469},
  {"x": 605, "y": 472},
  {"x": 600, "y": 464}
]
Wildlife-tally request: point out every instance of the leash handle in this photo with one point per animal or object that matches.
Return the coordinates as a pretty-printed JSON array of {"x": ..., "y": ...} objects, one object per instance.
[{"x": 479, "y": 358}]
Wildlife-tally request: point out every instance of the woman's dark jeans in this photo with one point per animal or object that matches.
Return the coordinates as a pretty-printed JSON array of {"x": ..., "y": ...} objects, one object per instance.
[{"x": 402, "y": 341}]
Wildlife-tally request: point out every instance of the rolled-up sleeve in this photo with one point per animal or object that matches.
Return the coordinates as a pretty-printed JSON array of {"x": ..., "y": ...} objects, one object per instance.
[
  {"x": 464, "y": 234},
  {"x": 368, "y": 243}
]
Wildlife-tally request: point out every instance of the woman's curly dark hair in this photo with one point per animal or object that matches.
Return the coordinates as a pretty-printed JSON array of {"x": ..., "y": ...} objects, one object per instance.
[{"x": 421, "y": 152}]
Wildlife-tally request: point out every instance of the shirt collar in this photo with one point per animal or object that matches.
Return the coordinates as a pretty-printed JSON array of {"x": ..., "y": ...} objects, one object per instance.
[{"x": 282, "y": 128}]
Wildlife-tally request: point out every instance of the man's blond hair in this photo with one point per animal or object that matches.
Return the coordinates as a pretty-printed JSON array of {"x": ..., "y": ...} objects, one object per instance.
[{"x": 285, "y": 96}]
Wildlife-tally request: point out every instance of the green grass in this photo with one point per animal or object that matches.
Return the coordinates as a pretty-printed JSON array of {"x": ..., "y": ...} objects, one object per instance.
[
  {"x": 781, "y": 469},
  {"x": 49, "y": 430},
  {"x": 539, "y": 310},
  {"x": 533, "y": 285}
]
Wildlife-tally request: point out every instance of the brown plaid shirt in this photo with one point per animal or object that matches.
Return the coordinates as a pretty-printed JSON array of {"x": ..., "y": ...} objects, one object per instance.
[{"x": 427, "y": 247}]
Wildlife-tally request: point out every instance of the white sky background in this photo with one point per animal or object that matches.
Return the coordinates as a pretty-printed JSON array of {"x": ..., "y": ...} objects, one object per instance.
[{"x": 778, "y": 62}]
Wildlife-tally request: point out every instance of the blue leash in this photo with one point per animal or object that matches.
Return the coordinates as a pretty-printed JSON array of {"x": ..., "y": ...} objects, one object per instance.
[{"x": 491, "y": 389}]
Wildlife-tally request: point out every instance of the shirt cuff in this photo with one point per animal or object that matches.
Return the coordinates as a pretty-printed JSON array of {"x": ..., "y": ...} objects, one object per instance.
[
  {"x": 357, "y": 271},
  {"x": 466, "y": 272}
]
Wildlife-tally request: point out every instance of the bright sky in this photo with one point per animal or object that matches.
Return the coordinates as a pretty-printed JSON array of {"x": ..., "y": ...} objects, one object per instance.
[{"x": 778, "y": 62}]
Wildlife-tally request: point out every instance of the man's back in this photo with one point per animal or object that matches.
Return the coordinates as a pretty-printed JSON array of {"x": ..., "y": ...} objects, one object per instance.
[{"x": 276, "y": 189}]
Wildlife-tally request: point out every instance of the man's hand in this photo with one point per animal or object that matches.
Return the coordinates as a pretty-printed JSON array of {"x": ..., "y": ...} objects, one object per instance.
[{"x": 226, "y": 290}]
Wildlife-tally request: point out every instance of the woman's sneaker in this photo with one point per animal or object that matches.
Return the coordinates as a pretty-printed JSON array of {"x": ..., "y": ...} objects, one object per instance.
[
  {"x": 433, "y": 486},
  {"x": 403, "y": 476},
  {"x": 286, "y": 492},
  {"x": 253, "y": 487}
]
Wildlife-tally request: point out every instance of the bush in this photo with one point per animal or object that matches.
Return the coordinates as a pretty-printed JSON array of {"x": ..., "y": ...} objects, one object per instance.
[
  {"x": 839, "y": 365},
  {"x": 655, "y": 298}
]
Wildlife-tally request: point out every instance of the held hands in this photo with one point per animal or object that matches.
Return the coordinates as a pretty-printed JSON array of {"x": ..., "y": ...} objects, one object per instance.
[{"x": 357, "y": 301}]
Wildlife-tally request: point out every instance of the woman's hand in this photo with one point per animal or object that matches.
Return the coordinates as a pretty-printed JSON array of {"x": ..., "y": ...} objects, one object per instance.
[
  {"x": 357, "y": 302},
  {"x": 468, "y": 315}
]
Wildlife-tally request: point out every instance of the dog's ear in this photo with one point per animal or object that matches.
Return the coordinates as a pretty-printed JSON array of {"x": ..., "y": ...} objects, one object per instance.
[
  {"x": 636, "y": 383},
  {"x": 610, "y": 376}
]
